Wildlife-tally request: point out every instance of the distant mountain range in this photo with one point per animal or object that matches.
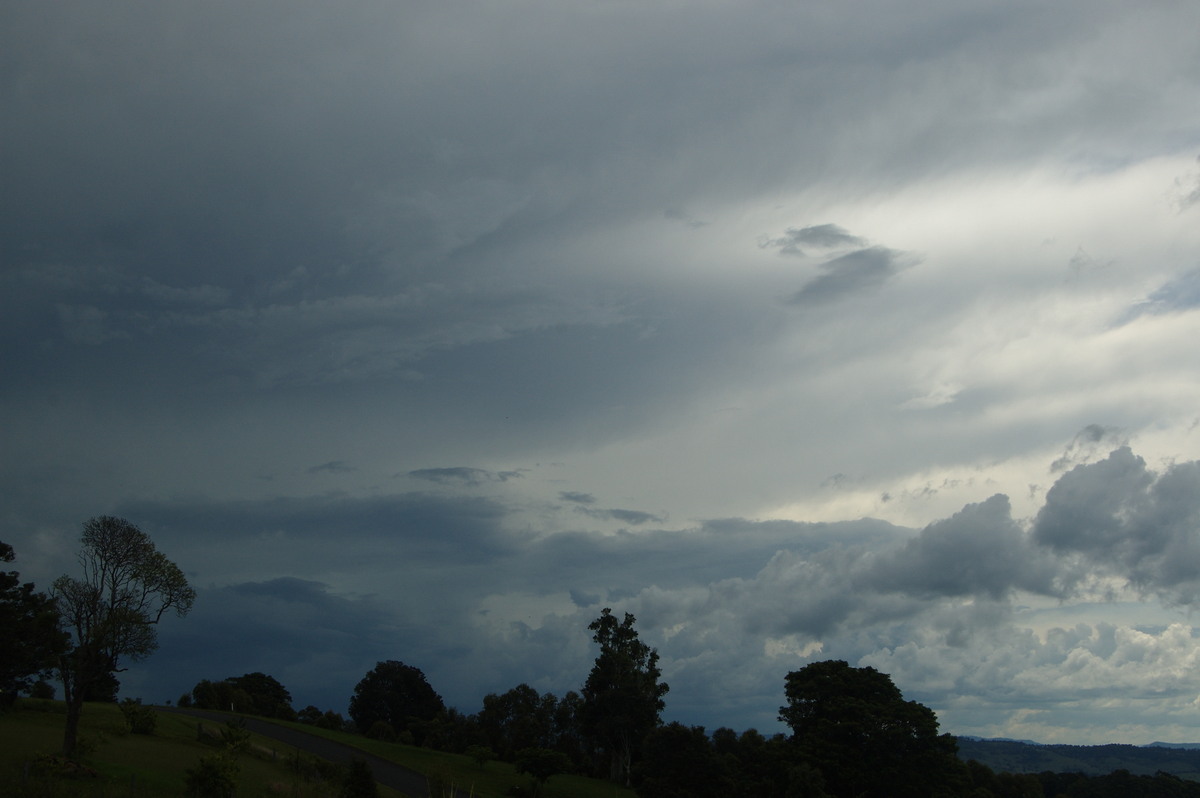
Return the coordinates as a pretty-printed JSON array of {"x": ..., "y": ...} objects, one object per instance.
[{"x": 1024, "y": 756}]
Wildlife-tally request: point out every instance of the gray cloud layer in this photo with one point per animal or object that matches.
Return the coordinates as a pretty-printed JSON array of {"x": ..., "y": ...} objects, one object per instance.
[
  {"x": 304, "y": 290},
  {"x": 756, "y": 598}
]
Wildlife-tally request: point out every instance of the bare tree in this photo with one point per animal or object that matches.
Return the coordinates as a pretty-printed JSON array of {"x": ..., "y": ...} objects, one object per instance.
[{"x": 111, "y": 612}]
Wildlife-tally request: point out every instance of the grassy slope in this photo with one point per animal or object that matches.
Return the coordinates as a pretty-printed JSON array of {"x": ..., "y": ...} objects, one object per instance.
[
  {"x": 493, "y": 781},
  {"x": 158, "y": 763},
  {"x": 154, "y": 765}
]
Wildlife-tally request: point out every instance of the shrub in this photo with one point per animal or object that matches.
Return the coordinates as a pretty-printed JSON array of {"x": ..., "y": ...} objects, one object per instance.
[
  {"x": 481, "y": 754},
  {"x": 236, "y": 736},
  {"x": 383, "y": 731},
  {"x": 215, "y": 776},
  {"x": 360, "y": 782},
  {"x": 139, "y": 719},
  {"x": 42, "y": 689}
]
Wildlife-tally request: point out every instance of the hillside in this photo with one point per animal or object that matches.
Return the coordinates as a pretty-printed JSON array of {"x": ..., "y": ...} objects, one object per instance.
[
  {"x": 154, "y": 766},
  {"x": 1018, "y": 757}
]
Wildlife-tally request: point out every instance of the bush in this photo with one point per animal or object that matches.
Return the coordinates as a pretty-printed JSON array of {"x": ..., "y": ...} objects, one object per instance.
[
  {"x": 360, "y": 782},
  {"x": 235, "y": 736},
  {"x": 42, "y": 689},
  {"x": 481, "y": 754},
  {"x": 215, "y": 776},
  {"x": 139, "y": 719},
  {"x": 383, "y": 731}
]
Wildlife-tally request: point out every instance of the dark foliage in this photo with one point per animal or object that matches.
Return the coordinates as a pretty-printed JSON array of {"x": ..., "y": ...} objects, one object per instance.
[
  {"x": 102, "y": 689},
  {"x": 541, "y": 764},
  {"x": 1092, "y": 760},
  {"x": 42, "y": 689},
  {"x": 398, "y": 694},
  {"x": 359, "y": 781},
  {"x": 1118, "y": 784},
  {"x": 854, "y": 726},
  {"x": 30, "y": 639},
  {"x": 139, "y": 719},
  {"x": 520, "y": 718},
  {"x": 681, "y": 762},
  {"x": 253, "y": 694},
  {"x": 112, "y": 612},
  {"x": 622, "y": 697}
]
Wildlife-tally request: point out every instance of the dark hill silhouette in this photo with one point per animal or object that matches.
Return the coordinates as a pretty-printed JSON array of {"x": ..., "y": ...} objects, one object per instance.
[{"x": 1011, "y": 756}]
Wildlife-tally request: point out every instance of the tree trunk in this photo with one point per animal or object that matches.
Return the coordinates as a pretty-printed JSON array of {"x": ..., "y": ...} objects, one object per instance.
[
  {"x": 74, "y": 711},
  {"x": 76, "y": 676}
]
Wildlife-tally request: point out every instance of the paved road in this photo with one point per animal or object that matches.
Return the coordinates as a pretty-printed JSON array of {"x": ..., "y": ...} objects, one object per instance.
[{"x": 389, "y": 774}]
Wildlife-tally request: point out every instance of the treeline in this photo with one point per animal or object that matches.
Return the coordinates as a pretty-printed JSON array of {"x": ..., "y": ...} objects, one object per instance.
[
  {"x": 853, "y": 734},
  {"x": 1094, "y": 760}
]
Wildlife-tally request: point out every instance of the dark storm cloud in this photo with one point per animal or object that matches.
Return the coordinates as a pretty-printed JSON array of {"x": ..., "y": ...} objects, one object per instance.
[
  {"x": 850, "y": 274},
  {"x": 675, "y": 558},
  {"x": 1122, "y": 518},
  {"x": 462, "y": 475},
  {"x": 1086, "y": 444},
  {"x": 631, "y": 517},
  {"x": 584, "y": 600},
  {"x": 978, "y": 551},
  {"x": 316, "y": 643},
  {"x": 276, "y": 532},
  {"x": 241, "y": 241},
  {"x": 332, "y": 467},
  {"x": 821, "y": 236},
  {"x": 853, "y": 587}
]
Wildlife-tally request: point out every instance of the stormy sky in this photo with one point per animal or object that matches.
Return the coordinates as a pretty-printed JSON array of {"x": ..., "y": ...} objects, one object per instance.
[{"x": 425, "y": 331}]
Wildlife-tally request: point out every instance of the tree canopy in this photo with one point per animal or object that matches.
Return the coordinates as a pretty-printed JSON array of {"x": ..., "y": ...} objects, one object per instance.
[
  {"x": 855, "y": 727},
  {"x": 30, "y": 638},
  {"x": 254, "y": 694},
  {"x": 127, "y": 587},
  {"x": 395, "y": 693},
  {"x": 622, "y": 697},
  {"x": 520, "y": 718}
]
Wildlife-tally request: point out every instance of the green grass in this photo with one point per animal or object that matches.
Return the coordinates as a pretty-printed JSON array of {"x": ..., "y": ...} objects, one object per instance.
[
  {"x": 492, "y": 781},
  {"x": 141, "y": 766}
]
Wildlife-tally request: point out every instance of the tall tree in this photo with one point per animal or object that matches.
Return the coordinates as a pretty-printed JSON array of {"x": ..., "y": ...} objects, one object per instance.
[
  {"x": 855, "y": 727},
  {"x": 622, "y": 697},
  {"x": 112, "y": 611},
  {"x": 396, "y": 693},
  {"x": 520, "y": 718},
  {"x": 30, "y": 639}
]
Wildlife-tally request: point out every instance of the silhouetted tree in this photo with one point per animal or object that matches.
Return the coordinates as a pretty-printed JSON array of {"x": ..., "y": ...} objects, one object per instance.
[
  {"x": 396, "y": 693},
  {"x": 568, "y": 731},
  {"x": 254, "y": 693},
  {"x": 111, "y": 613},
  {"x": 541, "y": 764},
  {"x": 757, "y": 765},
  {"x": 680, "y": 762},
  {"x": 30, "y": 638},
  {"x": 103, "y": 689},
  {"x": 855, "y": 727},
  {"x": 623, "y": 697},
  {"x": 520, "y": 718},
  {"x": 454, "y": 731}
]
